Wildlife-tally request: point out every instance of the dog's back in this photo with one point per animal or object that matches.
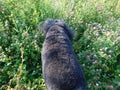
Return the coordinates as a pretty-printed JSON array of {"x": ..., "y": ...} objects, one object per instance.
[{"x": 61, "y": 69}]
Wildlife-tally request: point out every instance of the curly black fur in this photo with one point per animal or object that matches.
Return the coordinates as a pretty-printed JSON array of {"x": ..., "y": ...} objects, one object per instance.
[{"x": 60, "y": 67}]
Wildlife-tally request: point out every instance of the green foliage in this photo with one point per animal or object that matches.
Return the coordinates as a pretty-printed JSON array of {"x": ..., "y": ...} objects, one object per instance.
[{"x": 96, "y": 24}]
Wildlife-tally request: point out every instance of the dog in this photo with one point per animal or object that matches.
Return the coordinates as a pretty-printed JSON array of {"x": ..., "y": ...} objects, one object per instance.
[{"x": 60, "y": 67}]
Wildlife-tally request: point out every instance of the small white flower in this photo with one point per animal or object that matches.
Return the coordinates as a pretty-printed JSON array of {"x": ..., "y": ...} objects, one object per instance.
[
  {"x": 97, "y": 70},
  {"x": 88, "y": 45},
  {"x": 71, "y": 13},
  {"x": 110, "y": 51},
  {"x": 95, "y": 55},
  {"x": 0, "y": 47},
  {"x": 109, "y": 56},
  {"x": 83, "y": 65},
  {"x": 1, "y": 57},
  {"x": 97, "y": 84},
  {"x": 101, "y": 49},
  {"x": 16, "y": 21},
  {"x": 100, "y": 26},
  {"x": 6, "y": 23},
  {"x": 11, "y": 14},
  {"x": 89, "y": 85},
  {"x": 111, "y": 87},
  {"x": 97, "y": 34},
  {"x": 119, "y": 84},
  {"x": 2, "y": 12},
  {"x": 93, "y": 48},
  {"x": 95, "y": 62},
  {"x": 36, "y": 36},
  {"x": 89, "y": 24},
  {"x": 94, "y": 28},
  {"x": 106, "y": 48},
  {"x": 113, "y": 43}
]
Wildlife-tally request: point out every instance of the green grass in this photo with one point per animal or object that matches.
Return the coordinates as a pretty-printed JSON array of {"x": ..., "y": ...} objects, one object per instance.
[{"x": 96, "y": 24}]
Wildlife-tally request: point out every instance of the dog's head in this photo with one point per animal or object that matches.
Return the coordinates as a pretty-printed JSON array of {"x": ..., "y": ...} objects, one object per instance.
[{"x": 47, "y": 24}]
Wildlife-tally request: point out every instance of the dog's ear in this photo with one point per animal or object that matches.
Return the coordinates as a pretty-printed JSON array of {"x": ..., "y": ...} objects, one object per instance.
[{"x": 69, "y": 32}]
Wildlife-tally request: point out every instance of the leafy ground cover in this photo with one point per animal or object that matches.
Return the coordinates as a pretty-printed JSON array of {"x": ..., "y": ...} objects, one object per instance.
[{"x": 96, "y": 24}]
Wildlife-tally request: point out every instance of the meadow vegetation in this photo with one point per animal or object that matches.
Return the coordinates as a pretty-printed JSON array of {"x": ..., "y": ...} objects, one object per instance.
[{"x": 96, "y": 24}]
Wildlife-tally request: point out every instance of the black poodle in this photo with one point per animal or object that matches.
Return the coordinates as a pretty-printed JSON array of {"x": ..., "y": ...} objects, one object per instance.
[{"x": 60, "y": 66}]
